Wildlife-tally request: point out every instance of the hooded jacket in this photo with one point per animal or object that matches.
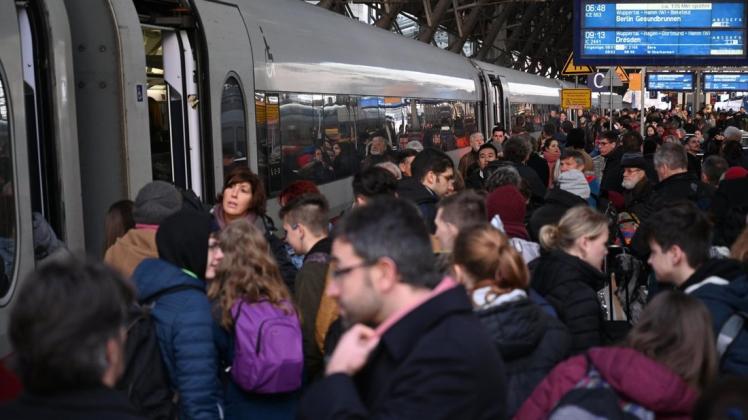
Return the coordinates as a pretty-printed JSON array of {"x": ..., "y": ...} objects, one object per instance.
[
  {"x": 634, "y": 377},
  {"x": 722, "y": 286},
  {"x": 570, "y": 285},
  {"x": 530, "y": 342},
  {"x": 557, "y": 202},
  {"x": 184, "y": 324}
]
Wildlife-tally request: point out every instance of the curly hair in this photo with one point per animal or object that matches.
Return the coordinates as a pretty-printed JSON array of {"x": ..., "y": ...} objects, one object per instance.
[{"x": 247, "y": 271}]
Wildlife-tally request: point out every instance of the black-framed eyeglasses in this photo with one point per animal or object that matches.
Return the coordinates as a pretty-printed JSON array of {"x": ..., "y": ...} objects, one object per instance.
[{"x": 340, "y": 272}]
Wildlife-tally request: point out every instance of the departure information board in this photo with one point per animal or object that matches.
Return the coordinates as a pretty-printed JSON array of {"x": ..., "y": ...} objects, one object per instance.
[
  {"x": 670, "y": 81},
  {"x": 664, "y": 33},
  {"x": 726, "y": 82}
]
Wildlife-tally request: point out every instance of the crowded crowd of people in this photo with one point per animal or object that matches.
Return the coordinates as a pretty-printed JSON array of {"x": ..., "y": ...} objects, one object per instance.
[{"x": 580, "y": 270}]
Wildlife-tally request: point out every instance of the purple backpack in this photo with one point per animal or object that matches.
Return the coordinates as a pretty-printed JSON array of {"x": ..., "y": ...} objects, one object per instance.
[{"x": 268, "y": 357}]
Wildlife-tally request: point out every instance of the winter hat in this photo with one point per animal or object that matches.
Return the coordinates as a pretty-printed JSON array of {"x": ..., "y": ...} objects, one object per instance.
[
  {"x": 732, "y": 133},
  {"x": 736, "y": 172},
  {"x": 509, "y": 204},
  {"x": 573, "y": 181},
  {"x": 633, "y": 160},
  {"x": 156, "y": 201}
]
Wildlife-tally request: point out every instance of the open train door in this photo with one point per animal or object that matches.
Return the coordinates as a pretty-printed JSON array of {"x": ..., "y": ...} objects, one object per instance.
[{"x": 228, "y": 55}]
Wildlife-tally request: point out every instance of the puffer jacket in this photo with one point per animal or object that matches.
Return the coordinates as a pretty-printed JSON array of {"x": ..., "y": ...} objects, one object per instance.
[
  {"x": 570, "y": 285},
  {"x": 635, "y": 378},
  {"x": 530, "y": 342},
  {"x": 722, "y": 286},
  {"x": 184, "y": 326}
]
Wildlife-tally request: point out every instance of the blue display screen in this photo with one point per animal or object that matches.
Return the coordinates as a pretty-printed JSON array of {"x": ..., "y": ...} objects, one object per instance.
[
  {"x": 670, "y": 81},
  {"x": 725, "y": 82},
  {"x": 659, "y": 32}
]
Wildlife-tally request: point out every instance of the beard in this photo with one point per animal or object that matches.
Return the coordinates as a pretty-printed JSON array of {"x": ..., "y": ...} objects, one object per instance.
[{"x": 629, "y": 184}]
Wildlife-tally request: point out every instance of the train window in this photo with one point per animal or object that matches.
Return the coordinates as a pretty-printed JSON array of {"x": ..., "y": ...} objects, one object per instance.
[
  {"x": 8, "y": 243},
  {"x": 268, "y": 141},
  {"x": 302, "y": 137},
  {"x": 442, "y": 129},
  {"x": 339, "y": 115},
  {"x": 233, "y": 124},
  {"x": 533, "y": 116}
]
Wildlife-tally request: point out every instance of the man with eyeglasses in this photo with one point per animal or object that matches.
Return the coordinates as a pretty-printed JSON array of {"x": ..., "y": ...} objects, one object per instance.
[
  {"x": 414, "y": 349},
  {"x": 610, "y": 183},
  {"x": 305, "y": 221}
]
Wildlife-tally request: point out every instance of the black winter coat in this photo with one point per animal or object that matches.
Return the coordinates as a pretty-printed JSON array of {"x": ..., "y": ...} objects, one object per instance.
[
  {"x": 540, "y": 166},
  {"x": 570, "y": 285},
  {"x": 530, "y": 342},
  {"x": 413, "y": 190},
  {"x": 537, "y": 186},
  {"x": 636, "y": 201},
  {"x": 437, "y": 362},
  {"x": 557, "y": 202},
  {"x": 88, "y": 404},
  {"x": 729, "y": 210},
  {"x": 680, "y": 187},
  {"x": 612, "y": 173}
]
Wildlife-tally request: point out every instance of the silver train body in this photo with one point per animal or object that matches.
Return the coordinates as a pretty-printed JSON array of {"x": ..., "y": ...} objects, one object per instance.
[{"x": 99, "y": 97}]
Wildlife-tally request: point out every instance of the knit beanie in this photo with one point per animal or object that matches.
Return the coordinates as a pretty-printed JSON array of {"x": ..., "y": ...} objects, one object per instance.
[
  {"x": 509, "y": 204},
  {"x": 736, "y": 172},
  {"x": 156, "y": 201},
  {"x": 573, "y": 181}
]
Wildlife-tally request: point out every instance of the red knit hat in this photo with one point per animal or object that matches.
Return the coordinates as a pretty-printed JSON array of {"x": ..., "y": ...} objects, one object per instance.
[
  {"x": 509, "y": 204},
  {"x": 736, "y": 172}
]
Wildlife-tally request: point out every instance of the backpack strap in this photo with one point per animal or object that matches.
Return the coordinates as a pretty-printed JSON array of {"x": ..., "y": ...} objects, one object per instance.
[
  {"x": 169, "y": 290},
  {"x": 729, "y": 332}
]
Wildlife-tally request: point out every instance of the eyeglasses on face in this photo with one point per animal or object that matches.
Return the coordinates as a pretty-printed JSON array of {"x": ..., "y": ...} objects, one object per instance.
[{"x": 338, "y": 273}]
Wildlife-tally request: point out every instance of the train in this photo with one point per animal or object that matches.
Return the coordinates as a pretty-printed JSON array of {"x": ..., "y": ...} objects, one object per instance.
[{"x": 100, "y": 97}]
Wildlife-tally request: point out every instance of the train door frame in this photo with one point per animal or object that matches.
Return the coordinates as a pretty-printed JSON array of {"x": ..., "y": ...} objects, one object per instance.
[
  {"x": 48, "y": 75},
  {"x": 11, "y": 75},
  {"x": 226, "y": 52}
]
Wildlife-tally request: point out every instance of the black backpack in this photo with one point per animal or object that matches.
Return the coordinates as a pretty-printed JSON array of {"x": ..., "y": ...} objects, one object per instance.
[{"x": 145, "y": 380}]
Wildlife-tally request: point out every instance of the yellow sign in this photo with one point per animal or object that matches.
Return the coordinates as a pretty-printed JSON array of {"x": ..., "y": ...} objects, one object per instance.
[
  {"x": 635, "y": 81},
  {"x": 571, "y": 69},
  {"x": 580, "y": 98},
  {"x": 621, "y": 73}
]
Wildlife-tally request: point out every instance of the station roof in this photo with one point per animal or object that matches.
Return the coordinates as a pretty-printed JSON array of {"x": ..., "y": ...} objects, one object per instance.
[{"x": 529, "y": 35}]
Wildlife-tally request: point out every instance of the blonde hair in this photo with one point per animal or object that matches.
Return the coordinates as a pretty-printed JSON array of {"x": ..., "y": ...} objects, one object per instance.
[
  {"x": 486, "y": 254},
  {"x": 248, "y": 271},
  {"x": 578, "y": 222}
]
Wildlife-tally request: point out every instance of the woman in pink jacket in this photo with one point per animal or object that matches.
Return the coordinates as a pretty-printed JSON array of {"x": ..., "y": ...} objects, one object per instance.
[{"x": 661, "y": 368}]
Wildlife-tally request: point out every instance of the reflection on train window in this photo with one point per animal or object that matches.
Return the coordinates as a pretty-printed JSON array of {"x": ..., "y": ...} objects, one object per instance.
[
  {"x": 233, "y": 125},
  {"x": 159, "y": 96},
  {"x": 327, "y": 137},
  {"x": 533, "y": 116},
  {"x": 7, "y": 202}
]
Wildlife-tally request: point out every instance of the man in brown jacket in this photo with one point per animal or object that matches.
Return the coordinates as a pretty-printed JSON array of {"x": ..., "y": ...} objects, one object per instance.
[{"x": 155, "y": 201}]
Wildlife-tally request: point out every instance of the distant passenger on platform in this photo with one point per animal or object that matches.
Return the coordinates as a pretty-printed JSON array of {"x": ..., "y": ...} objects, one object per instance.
[
  {"x": 611, "y": 189},
  {"x": 433, "y": 178},
  {"x": 404, "y": 162},
  {"x": 155, "y": 201},
  {"x": 470, "y": 158},
  {"x": 517, "y": 150},
  {"x": 578, "y": 159},
  {"x": 657, "y": 372},
  {"x": 371, "y": 183},
  {"x": 174, "y": 285},
  {"x": 415, "y": 349},
  {"x": 455, "y": 213},
  {"x": 477, "y": 174},
  {"x": 676, "y": 184},
  {"x": 377, "y": 150},
  {"x": 729, "y": 208},
  {"x": 306, "y": 222},
  {"x": 345, "y": 161},
  {"x": 498, "y": 135},
  {"x": 117, "y": 222},
  {"x": 679, "y": 239},
  {"x": 712, "y": 169},
  {"x": 570, "y": 274},
  {"x": 67, "y": 329},
  {"x": 638, "y": 189},
  {"x": 529, "y": 341},
  {"x": 693, "y": 147},
  {"x": 551, "y": 153}
]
